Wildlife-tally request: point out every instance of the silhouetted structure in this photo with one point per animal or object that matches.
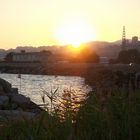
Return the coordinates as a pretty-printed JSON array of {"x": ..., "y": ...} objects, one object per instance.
[
  {"x": 24, "y": 56},
  {"x": 135, "y": 42},
  {"x": 124, "y": 39}
]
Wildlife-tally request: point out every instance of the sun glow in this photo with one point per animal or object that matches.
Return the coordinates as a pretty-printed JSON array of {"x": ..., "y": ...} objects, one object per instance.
[{"x": 75, "y": 32}]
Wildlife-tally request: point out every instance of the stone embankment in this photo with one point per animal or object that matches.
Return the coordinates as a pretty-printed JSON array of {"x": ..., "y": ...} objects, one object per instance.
[{"x": 14, "y": 106}]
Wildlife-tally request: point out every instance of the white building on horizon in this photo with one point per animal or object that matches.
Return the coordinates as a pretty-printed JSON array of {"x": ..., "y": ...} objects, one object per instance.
[{"x": 23, "y": 56}]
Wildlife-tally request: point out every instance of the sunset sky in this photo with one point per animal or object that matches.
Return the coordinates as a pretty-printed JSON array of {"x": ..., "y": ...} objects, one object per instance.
[{"x": 40, "y": 22}]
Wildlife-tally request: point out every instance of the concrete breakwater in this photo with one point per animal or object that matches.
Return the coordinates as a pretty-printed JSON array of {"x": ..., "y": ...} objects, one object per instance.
[
  {"x": 62, "y": 68},
  {"x": 16, "y": 67}
]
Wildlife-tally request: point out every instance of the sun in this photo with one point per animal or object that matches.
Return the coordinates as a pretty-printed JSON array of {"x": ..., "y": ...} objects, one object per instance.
[{"x": 75, "y": 32}]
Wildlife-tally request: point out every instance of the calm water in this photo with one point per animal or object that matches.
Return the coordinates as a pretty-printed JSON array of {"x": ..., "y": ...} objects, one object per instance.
[{"x": 33, "y": 85}]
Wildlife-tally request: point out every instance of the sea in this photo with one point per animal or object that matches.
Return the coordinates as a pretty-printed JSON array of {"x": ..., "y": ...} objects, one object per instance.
[{"x": 34, "y": 86}]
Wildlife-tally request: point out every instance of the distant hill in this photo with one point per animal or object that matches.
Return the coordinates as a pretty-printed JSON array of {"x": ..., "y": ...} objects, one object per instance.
[
  {"x": 105, "y": 49},
  {"x": 102, "y": 48},
  {"x": 118, "y": 42}
]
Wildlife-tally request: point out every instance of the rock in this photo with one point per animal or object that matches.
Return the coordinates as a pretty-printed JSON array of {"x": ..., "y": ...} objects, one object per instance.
[
  {"x": 2, "y": 92},
  {"x": 10, "y": 99},
  {"x": 1, "y": 88},
  {"x": 24, "y": 103},
  {"x": 4, "y": 100},
  {"x": 19, "y": 99},
  {"x": 5, "y": 85},
  {"x": 14, "y": 106},
  {"x": 16, "y": 115},
  {"x": 14, "y": 90},
  {"x": 32, "y": 107}
]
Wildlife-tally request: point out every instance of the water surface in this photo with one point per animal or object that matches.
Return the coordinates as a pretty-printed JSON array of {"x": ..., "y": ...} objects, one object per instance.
[{"x": 33, "y": 85}]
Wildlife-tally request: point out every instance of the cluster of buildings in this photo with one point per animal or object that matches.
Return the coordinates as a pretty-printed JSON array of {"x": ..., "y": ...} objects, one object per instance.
[
  {"x": 127, "y": 43},
  {"x": 42, "y": 56},
  {"x": 23, "y": 56},
  {"x": 134, "y": 42}
]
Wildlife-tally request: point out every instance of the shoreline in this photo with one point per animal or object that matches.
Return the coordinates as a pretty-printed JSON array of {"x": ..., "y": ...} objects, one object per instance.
[{"x": 62, "y": 69}]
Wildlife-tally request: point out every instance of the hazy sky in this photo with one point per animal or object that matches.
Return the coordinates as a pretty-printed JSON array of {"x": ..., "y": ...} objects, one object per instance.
[{"x": 35, "y": 22}]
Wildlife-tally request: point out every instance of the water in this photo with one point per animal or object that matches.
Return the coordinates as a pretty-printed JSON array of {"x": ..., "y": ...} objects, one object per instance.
[{"x": 33, "y": 85}]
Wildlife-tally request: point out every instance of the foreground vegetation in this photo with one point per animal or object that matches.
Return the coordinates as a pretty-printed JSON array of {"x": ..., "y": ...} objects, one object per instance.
[{"x": 103, "y": 114}]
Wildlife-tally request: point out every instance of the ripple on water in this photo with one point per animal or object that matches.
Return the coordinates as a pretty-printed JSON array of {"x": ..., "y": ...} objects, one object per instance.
[{"x": 32, "y": 85}]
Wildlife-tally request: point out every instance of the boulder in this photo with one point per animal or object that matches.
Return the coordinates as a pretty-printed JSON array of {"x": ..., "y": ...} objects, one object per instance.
[
  {"x": 32, "y": 107},
  {"x": 10, "y": 99},
  {"x": 19, "y": 99},
  {"x": 13, "y": 106},
  {"x": 25, "y": 103},
  {"x": 14, "y": 90},
  {"x": 4, "y": 100},
  {"x": 2, "y": 92},
  {"x": 1, "y": 88},
  {"x": 5, "y": 85}
]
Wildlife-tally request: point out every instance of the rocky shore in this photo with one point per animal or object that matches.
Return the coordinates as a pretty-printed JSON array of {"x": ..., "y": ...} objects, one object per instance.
[{"x": 14, "y": 106}]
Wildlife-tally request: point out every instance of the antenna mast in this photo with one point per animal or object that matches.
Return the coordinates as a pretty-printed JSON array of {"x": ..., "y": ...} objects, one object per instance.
[{"x": 123, "y": 39}]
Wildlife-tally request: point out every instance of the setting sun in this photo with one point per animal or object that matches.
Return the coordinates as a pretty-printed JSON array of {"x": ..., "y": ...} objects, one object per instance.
[{"x": 75, "y": 32}]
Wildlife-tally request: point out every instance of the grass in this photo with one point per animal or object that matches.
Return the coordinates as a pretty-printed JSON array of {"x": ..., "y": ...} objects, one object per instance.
[
  {"x": 40, "y": 129},
  {"x": 105, "y": 114},
  {"x": 113, "y": 118}
]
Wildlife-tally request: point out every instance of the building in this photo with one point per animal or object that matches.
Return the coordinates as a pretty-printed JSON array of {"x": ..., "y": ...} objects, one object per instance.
[
  {"x": 23, "y": 56},
  {"x": 134, "y": 41}
]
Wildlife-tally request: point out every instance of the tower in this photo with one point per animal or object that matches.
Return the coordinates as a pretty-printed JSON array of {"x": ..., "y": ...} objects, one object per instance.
[{"x": 123, "y": 39}]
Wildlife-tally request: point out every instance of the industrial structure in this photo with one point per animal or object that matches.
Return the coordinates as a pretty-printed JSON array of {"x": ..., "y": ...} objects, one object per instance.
[
  {"x": 134, "y": 43},
  {"x": 124, "y": 39}
]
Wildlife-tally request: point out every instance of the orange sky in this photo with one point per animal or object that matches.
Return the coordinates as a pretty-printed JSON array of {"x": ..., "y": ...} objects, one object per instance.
[{"x": 36, "y": 22}]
